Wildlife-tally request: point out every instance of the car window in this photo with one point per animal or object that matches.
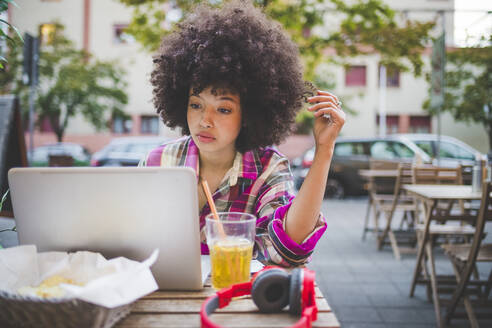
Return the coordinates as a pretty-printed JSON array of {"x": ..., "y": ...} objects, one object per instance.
[
  {"x": 343, "y": 149},
  {"x": 382, "y": 150},
  {"x": 426, "y": 146},
  {"x": 401, "y": 150},
  {"x": 349, "y": 149},
  {"x": 451, "y": 150}
]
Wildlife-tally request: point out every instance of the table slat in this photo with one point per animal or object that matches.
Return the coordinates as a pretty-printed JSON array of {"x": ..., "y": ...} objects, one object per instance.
[
  {"x": 325, "y": 319},
  {"x": 202, "y": 294},
  {"x": 193, "y": 306}
]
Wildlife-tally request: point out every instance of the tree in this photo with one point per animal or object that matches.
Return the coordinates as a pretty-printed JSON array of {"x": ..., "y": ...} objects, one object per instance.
[
  {"x": 468, "y": 85},
  {"x": 365, "y": 27},
  {"x": 71, "y": 82},
  {"x": 6, "y": 31}
]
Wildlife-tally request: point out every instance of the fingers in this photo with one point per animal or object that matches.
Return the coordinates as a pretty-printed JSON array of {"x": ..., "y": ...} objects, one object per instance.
[
  {"x": 324, "y": 96},
  {"x": 334, "y": 113}
]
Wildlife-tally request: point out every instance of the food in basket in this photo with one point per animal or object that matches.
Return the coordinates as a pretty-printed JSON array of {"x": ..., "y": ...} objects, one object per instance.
[{"x": 50, "y": 287}]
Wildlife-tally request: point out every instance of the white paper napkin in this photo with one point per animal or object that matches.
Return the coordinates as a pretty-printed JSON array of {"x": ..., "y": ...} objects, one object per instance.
[{"x": 108, "y": 283}]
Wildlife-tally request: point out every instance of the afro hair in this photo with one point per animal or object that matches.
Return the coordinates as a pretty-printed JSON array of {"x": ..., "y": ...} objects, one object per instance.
[{"x": 239, "y": 48}]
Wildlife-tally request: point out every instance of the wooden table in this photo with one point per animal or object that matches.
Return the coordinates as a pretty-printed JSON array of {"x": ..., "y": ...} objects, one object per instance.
[
  {"x": 182, "y": 309},
  {"x": 430, "y": 195}
]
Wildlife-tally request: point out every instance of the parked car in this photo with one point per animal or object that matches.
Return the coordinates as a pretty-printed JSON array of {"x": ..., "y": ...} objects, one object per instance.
[
  {"x": 41, "y": 154},
  {"x": 352, "y": 154},
  {"x": 125, "y": 151}
]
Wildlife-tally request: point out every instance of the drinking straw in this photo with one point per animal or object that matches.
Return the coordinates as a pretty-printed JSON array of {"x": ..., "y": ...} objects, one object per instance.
[{"x": 210, "y": 200}]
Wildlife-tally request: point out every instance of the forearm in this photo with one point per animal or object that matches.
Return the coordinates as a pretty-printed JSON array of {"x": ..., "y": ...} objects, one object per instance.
[{"x": 304, "y": 211}]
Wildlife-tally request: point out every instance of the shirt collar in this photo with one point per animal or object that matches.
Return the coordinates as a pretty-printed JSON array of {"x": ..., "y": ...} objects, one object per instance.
[{"x": 244, "y": 166}]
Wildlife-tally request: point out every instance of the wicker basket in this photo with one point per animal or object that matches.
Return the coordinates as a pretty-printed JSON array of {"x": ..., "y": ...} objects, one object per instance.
[{"x": 22, "y": 311}]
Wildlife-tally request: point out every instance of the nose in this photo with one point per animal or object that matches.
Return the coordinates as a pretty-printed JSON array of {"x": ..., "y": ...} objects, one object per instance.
[{"x": 207, "y": 119}]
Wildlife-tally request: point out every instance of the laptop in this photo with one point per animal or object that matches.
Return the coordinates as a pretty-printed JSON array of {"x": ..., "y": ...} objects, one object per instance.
[{"x": 115, "y": 211}]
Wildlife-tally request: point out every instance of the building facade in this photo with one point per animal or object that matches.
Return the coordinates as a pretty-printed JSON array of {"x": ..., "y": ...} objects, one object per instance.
[{"x": 97, "y": 26}]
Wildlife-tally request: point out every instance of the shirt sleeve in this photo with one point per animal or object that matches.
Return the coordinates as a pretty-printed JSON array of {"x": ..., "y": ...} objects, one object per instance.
[{"x": 272, "y": 244}]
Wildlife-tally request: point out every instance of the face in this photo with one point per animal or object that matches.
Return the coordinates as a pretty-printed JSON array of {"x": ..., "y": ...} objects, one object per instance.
[{"x": 214, "y": 120}]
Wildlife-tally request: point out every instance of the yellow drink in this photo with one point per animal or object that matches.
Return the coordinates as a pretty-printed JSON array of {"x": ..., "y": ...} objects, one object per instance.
[{"x": 231, "y": 260}]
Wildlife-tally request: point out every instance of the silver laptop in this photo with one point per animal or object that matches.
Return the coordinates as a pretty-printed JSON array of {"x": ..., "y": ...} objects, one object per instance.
[{"x": 115, "y": 211}]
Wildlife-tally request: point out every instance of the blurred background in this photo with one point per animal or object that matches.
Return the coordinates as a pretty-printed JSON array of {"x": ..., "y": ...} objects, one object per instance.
[{"x": 80, "y": 70}]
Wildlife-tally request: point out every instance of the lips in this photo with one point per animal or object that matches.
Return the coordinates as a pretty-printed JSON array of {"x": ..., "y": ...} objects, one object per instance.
[{"x": 205, "y": 137}]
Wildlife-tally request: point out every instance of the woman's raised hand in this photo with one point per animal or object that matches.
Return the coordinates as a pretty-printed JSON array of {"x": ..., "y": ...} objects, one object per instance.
[{"x": 329, "y": 118}]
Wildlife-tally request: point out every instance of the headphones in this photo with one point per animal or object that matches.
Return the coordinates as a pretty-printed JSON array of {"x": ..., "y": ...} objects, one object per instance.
[{"x": 272, "y": 289}]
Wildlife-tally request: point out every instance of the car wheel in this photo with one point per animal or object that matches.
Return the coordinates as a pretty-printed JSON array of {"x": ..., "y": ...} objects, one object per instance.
[{"x": 334, "y": 189}]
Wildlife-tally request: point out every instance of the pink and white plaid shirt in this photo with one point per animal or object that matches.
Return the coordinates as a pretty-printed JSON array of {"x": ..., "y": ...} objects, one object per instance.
[{"x": 260, "y": 183}]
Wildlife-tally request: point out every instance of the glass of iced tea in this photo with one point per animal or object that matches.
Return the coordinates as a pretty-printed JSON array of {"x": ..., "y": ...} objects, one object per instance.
[{"x": 230, "y": 242}]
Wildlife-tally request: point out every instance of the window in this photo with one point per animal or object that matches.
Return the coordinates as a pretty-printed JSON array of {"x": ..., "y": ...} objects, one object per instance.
[
  {"x": 420, "y": 124},
  {"x": 120, "y": 36},
  {"x": 46, "y": 33},
  {"x": 391, "y": 123},
  {"x": 149, "y": 124},
  {"x": 343, "y": 149},
  {"x": 401, "y": 150},
  {"x": 390, "y": 150},
  {"x": 349, "y": 149},
  {"x": 392, "y": 78},
  {"x": 121, "y": 125},
  {"x": 355, "y": 76},
  {"x": 382, "y": 150},
  {"x": 451, "y": 150},
  {"x": 425, "y": 145}
]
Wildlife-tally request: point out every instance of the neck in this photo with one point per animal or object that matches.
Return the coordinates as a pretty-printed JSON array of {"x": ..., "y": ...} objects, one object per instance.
[{"x": 212, "y": 161}]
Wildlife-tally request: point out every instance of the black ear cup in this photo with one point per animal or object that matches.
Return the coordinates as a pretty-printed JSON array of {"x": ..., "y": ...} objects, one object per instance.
[
  {"x": 295, "y": 305},
  {"x": 270, "y": 290}
]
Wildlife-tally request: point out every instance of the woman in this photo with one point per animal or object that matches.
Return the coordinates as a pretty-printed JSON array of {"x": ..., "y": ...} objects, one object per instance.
[{"x": 231, "y": 79}]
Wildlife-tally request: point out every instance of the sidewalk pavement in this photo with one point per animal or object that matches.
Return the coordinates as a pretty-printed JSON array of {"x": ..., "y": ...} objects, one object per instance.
[{"x": 366, "y": 287}]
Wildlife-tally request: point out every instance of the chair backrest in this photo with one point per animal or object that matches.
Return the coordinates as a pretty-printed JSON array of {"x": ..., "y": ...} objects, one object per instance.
[
  {"x": 382, "y": 185},
  {"x": 380, "y": 164},
  {"x": 405, "y": 176},
  {"x": 437, "y": 175}
]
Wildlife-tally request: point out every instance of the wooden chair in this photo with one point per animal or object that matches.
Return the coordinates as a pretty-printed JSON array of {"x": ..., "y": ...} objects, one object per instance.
[
  {"x": 380, "y": 190},
  {"x": 429, "y": 174},
  {"x": 464, "y": 258},
  {"x": 399, "y": 201}
]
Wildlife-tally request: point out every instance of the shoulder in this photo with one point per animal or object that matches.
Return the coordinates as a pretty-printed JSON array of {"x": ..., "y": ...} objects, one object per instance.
[
  {"x": 267, "y": 159},
  {"x": 168, "y": 153},
  {"x": 270, "y": 155}
]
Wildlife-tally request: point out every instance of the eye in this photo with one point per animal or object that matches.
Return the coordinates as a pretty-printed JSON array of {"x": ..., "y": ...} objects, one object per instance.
[
  {"x": 224, "y": 110},
  {"x": 195, "y": 106}
]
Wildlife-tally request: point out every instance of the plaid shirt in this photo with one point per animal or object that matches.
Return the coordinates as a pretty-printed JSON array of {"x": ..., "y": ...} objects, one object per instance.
[{"x": 259, "y": 183}]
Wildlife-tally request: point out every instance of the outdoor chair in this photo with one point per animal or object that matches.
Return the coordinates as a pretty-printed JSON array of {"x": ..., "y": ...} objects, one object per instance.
[
  {"x": 399, "y": 201},
  {"x": 380, "y": 190},
  {"x": 470, "y": 289}
]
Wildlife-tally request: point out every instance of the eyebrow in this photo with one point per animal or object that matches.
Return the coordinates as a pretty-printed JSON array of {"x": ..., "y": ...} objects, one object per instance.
[{"x": 221, "y": 97}]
